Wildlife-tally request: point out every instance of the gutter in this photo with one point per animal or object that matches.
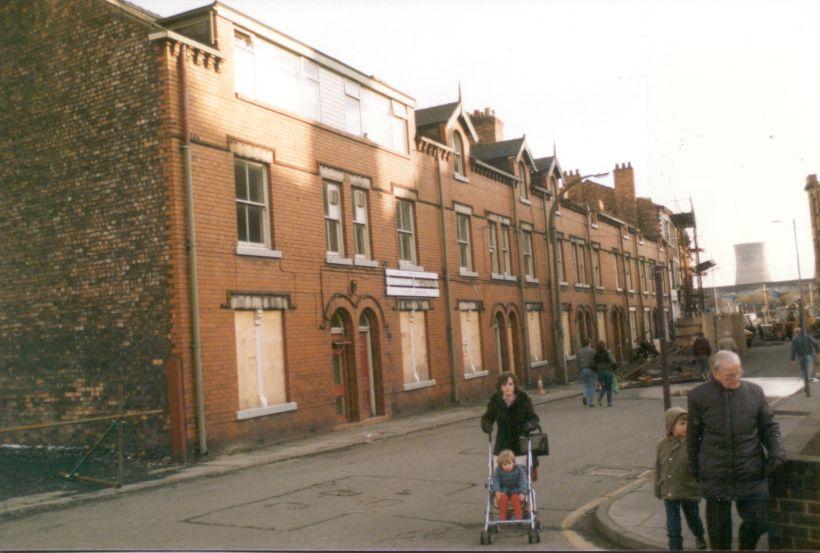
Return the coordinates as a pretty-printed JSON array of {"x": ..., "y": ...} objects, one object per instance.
[
  {"x": 196, "y": 340},
  {"x": 522, "y": 319}
]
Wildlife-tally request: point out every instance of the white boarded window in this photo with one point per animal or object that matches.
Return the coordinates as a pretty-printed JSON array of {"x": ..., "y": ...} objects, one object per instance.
[
  {"x": 471, "y": 341},
  {"x": 376, "y": 118},
  {"x": 398, "y": 124},
  {"x": 260, "y": 358},
  {"x": 244, "y": 71},
  {"x": 405, "y": 227},
  {"x": 465, "y": 255},
  {"x": 647, "y": 326},
  {"x": 493, "y": 241},
  {"x": 353, "y": 108},
  {"x": 565, "y": 329},
  {"x": 277, "y": 76},
  {"x": 534, "y": 335},
  {"x": 311, "y": 96},
  {"x": 414, "y": 347},
  {"x": 458, "y": 154},
  {"x": 251, "y": 187},
  {"x": 333, "y": 218},
  {"x": 601, "y": 322},
  {"x": 360, "y": 225},
  {"x": 633, "y": 329},
  {"x": 529, "y": 266}
]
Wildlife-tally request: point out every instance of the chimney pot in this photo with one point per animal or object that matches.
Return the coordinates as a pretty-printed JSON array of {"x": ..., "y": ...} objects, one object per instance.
[
  {"x": 811, "y": 179},
  {"x": 629, "y": 164}
]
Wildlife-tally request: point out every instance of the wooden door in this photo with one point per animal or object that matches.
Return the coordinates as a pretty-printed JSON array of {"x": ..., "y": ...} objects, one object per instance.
[
  {"x": 367, "y": 401},
  {"x": 340, "y": 394}
]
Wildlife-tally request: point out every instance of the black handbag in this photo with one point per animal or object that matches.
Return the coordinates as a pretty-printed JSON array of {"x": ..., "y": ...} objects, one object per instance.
[{"x": 539, "y": 442}]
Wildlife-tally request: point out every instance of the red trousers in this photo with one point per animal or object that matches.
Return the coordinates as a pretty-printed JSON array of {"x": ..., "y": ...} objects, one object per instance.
[{"x": 503, "y": 503}]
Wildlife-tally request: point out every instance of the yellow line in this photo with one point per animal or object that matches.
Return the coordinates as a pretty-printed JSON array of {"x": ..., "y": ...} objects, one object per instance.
[{"x": 569, "y": 521}]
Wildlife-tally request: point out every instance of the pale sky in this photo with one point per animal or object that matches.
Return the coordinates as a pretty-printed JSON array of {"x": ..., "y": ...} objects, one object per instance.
[{"x": 713, "y": 101}]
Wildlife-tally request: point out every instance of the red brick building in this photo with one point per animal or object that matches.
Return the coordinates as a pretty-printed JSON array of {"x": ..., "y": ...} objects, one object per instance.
[{"x": 302, "y": 242}]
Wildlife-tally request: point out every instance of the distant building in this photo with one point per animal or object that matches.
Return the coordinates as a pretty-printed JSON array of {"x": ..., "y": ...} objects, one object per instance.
[
  {"x": 750, "y": 263},
  {"x": 814, "y": 210}
]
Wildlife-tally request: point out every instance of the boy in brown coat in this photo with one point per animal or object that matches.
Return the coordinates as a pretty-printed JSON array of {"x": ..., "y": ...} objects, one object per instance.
[{"x": 675, "y": 482}]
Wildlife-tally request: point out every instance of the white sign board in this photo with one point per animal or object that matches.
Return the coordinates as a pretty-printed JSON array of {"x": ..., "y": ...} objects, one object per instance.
[{"x": 411, "y": 283}]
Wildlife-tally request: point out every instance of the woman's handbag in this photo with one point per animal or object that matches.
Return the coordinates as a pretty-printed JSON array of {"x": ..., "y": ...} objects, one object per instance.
[
  {"x": 539, "y": 442},
  {"x": 615, "y": 387}
]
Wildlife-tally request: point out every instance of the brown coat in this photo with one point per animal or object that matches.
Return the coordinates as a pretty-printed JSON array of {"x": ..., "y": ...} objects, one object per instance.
[{"x": 674, "y": 478}]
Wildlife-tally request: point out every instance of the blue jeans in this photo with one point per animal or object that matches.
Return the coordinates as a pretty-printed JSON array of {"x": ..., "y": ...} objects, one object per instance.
[
  {"x": 805, "y": 371},
  {"x": 588, "y": 380},
  {"x": 673, "y": 525},
  {"x": 605, "y": 378}
]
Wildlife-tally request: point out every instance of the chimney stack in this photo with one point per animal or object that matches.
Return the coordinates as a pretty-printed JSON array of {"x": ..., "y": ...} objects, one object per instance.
[
  {"x": 488, "y": 127},
  {"x": 625, "y": 192}
]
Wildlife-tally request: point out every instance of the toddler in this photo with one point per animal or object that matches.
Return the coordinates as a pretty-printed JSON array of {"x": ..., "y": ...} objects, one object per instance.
[
  {"x": 509, "y": 484},
  {"x": 675, "y": 482}
]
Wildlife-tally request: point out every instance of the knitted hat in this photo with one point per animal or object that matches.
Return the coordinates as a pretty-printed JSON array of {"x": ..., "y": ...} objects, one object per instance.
[{"x": 672, "y": 414}]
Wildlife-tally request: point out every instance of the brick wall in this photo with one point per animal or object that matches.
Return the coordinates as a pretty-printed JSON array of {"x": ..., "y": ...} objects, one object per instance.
[{"x": 83, "y": 260}]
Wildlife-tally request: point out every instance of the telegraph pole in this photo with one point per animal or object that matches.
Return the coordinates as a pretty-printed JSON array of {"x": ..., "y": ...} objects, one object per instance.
[{"x": 661, "y": 333}]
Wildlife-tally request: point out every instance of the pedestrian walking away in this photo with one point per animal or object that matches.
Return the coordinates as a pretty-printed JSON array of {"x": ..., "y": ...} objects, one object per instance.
[
  {"x": 730, "y": 424},
  {"x": 702, "y": 349},
  {"x": 605, "y": 367},
  {"x": 511, "y": 410},
  {"x": 586, "y": 368},
  {"x": 803, "y": 350},
  {"x": 675, "y": 482},
  {"x": 727, "y": 342}
]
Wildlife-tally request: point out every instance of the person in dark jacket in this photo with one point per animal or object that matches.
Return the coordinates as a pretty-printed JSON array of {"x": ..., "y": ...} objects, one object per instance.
[
  {"x": 702, "y": 349},
  {"x": 730, "y": 424},
  {"x": 605, "y": 367},
  {"x": 511, "y": 409}
]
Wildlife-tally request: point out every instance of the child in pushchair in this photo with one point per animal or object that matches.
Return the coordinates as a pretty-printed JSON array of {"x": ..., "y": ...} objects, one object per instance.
[{"x": 510, "y": 485}]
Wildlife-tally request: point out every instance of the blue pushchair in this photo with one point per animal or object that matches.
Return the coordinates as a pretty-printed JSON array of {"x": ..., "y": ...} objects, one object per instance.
[{"x": 492, "y": 521}]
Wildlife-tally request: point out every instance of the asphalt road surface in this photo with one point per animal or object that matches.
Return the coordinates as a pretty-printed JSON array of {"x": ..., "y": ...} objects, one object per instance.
[{"x": 424, "y": 490}]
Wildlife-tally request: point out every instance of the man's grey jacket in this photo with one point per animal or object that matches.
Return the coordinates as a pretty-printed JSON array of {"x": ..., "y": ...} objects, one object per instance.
[{"x": 728, "y": 431}]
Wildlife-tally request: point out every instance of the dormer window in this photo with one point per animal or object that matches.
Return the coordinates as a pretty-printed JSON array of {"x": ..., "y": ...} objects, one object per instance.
[
  {"x": 458, "y": 154},
  {"x": 523, "y": 175}
]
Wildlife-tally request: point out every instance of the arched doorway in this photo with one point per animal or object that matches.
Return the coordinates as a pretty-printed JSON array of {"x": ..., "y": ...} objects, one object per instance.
[
  {"x": 343, "y": 366},
  {"x": 584, "y": 320},
  {"x": 369, "y": 382},
  {"x": 501, "y": 343}
]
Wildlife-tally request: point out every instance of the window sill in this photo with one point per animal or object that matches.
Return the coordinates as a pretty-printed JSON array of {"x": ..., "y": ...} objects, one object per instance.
[
  {"x": 510, "y": 278},
  {"x": 599, "y": 287},
  {"x": 532, "y": 280},
  {"x": 536, "y": 364},
  {"x": 269, "y": 410},
  {"x": 594, "y": 225},
  {"x": 619, "y": 289},
  {"x": 420, "y": 384},
  {"x": 244, "y": 248},
  {"x": 582, "y": 285},
  {"x": 461, "y": 178},
  {"x": 334, "y": 259},
  {"x": 467, "y": 273},
  {"x": 631, "y": 291},
  {"x": 407, "y": 266},
  {"x": 570, "y": 357},
  {"x": 525, "y": 200},
  {"x": 479, "y": 374},
  {"x": 365, "y": 262},
  {"x": 496, "y": 276}
]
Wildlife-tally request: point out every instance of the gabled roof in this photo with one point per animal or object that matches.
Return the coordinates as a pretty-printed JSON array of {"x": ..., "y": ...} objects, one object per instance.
[
  {"x": 435, "y": 114},
  {"x": 547, "y": 163},
  {"x": 498, "y": 150}
]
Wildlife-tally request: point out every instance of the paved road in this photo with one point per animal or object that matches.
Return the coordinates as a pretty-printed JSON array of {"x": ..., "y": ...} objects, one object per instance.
[{"x": 424, "y": 490}]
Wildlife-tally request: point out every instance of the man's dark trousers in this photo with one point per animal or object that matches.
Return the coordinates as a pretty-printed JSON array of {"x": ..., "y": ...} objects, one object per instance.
[{"x": 754, "y": 522}]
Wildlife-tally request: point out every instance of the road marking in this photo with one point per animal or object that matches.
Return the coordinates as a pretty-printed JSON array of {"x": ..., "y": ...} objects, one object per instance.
[{"x": 573, "y": 537}]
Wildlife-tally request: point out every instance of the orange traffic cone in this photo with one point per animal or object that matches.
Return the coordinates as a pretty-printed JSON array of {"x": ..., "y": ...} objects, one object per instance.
[{"x": 540, "y": 387}]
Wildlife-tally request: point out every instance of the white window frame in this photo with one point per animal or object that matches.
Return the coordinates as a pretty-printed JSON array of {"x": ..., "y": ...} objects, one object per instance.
[
  {"x": 465, "y": 250},
  {"x": 334, "y": 225},
  {"x": 597, "y": 277},
  {"x": 615, "y": 256},
  {"x": 524, "y": 193},
  {"x": 505, "y": 249},
  {"x": 361, "y": 222},
  {"x": 628, "y": 273},
  {"x": 418, "y": 380},
  {"x": 398, "y": 126},
  {"x": 406, "y": 232},
  {"x": 470, "y": 317},
  {"x": 529, "y": 260},
  {"x": 249, "y": 204},
  {"x": 458, "y": 155},
  {"x": 559, "y": 261},
  {"x": 353, "y": 98},
  {"x": 307, "y": 79},
  {"x": 495, "y": 264}
]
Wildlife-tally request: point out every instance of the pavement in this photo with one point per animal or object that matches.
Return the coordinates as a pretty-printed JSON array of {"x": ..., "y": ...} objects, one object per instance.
[
  {"x": 632, "y": 518},
  {"x": 635, "y": 519}
]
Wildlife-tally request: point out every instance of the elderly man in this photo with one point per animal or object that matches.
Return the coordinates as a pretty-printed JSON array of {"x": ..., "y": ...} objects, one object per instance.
[{"x": 734, "y": 443}]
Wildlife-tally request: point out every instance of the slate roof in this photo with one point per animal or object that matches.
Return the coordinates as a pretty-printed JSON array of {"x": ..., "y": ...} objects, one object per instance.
[
  {"x": 544, "y": 163},
  {"x": 497, "y": 150},
  {"x": 435, "y": 114}
]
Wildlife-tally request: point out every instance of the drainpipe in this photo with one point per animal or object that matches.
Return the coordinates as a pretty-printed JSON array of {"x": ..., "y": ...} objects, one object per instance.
[
  {"x": 592, "y": 284},
  {"x": 448, "y": 297},
  {"x": 522, "y": 322},
  {"x": 196, "y": 343},
  {"x": 550, "y": 261},
  {"x": 626, "y": 325}
]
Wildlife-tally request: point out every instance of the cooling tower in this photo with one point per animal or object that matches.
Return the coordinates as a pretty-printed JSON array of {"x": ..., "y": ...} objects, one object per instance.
[{"x": 750, "y": 263}]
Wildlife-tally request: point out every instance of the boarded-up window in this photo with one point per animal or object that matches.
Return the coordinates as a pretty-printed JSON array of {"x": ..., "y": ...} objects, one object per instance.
[
  {"x": 601, "y": 320},
  {"x": 414, "y": 347},
  {"x": 565, "y": 328},
  {"x": 260, "y": 358},
  {"x": 633, "y": 329},
  {"x": 534, "y": 335},
  {"x": 471, "y": 341}
]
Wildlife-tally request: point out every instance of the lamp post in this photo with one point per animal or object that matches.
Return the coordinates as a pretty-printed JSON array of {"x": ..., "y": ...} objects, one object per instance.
[{"x": 557, "y": 329}]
